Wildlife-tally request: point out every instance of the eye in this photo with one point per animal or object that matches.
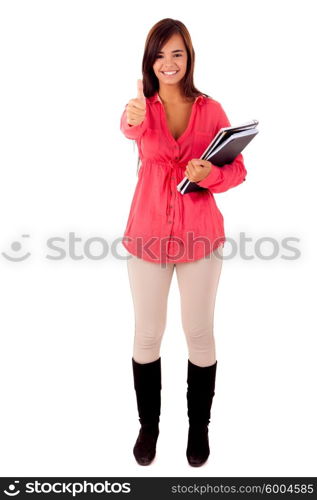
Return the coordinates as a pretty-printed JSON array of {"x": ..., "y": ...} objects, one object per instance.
[{"x": 176, "y": 55}]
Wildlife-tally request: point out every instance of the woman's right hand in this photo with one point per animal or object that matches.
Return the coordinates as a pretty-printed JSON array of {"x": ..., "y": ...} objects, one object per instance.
[{"x": 136, "y": 108}]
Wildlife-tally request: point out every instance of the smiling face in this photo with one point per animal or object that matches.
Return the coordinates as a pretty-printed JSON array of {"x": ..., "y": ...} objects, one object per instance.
[{"x": 172, "y": 58}]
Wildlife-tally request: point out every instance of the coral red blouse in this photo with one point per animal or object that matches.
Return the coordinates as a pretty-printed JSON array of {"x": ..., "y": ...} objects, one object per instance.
[{"x": 164, "y": 225}]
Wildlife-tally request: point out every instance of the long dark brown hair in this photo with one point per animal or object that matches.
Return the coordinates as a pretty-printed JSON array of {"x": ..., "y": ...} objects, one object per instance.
[{"x": 158, "y": 35}]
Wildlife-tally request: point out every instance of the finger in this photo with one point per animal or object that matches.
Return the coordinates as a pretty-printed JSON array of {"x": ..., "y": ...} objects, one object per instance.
[
  {"x": 141, "y": 95},
  {"x": 138, "y": 104},
  {"x": 194, "y": 169},
  {"x": 136, "y": 110},
  {"x": 189, "y": 171},
  {"x": 197, "y": 163},
  {"x": 197, "y": 167},
  {"x": 189, "y": 168}
]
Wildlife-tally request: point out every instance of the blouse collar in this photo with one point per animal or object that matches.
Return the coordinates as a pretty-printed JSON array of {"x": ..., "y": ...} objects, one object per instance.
[{"x": 156, "y": 98}]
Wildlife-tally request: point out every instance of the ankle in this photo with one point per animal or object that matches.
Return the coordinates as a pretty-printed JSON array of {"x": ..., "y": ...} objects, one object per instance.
[{"x": 152, "y": 427}]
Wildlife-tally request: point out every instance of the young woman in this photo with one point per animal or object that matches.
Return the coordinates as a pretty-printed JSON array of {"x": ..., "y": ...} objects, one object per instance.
[{"x": 173, "y": 123}]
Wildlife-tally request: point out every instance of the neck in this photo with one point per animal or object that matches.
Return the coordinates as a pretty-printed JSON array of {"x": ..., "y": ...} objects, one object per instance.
[{"x": 170, "y": 94}]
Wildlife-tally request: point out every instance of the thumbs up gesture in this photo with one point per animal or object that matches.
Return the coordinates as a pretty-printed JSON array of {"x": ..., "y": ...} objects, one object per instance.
[{"x": 136, "y": 108}]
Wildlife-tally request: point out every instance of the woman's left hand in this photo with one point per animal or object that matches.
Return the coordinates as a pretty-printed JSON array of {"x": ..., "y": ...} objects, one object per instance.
[{"x": 197, "y": 169}]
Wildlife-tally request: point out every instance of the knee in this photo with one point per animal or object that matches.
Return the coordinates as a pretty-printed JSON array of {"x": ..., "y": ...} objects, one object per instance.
[
  {"x": 148, "y": 338},
  {"x": 199, "y": 334},
  {"x": 147, "y": 345},
  {"x": 201, "y": 346}
]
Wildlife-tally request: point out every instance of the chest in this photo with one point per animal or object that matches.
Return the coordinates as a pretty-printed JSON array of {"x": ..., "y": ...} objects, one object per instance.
[{"x": 177, "y": 118}]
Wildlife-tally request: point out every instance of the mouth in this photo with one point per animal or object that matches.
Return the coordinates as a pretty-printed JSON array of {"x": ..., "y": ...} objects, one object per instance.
[{"x": 169, "y": 73}]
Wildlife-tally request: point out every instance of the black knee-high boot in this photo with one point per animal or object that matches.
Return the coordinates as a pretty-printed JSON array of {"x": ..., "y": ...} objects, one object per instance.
[
  {"x": 200, "y": 392},
  {"x": 147, "y": 384}
]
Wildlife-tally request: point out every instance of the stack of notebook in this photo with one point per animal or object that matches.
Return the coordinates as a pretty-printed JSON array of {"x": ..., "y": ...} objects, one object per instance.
[{"x": 223, "y": 149}]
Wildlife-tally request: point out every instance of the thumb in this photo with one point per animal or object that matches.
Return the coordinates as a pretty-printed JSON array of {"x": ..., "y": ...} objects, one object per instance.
[
  {"x": 200, "y": 162},
  {"x": 140, "y": 90}
]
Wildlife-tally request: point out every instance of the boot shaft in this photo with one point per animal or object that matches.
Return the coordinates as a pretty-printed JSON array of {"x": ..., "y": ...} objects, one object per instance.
[
  {"x": 200, "y": 392},
  {"x": 147, "y": 385}
]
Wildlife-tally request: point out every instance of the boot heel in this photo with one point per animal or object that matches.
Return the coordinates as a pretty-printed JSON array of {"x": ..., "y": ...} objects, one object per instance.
[{"x": 145, "y": 446}]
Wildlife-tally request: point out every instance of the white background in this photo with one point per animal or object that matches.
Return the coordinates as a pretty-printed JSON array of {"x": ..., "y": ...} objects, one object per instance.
[{"x": 68, "y": 404}]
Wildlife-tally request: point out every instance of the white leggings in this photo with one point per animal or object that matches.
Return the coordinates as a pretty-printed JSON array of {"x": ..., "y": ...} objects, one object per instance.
[{"x": 197, "y": 283}]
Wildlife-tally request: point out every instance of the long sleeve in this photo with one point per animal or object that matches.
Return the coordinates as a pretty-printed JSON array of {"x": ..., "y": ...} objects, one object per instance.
[
  {"x": 221, "y": 179},
  {"x": 132, "y": 131}
]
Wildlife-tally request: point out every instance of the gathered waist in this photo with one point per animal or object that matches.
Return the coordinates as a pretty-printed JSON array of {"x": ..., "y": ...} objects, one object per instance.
[{"x": 169, "y": 163}]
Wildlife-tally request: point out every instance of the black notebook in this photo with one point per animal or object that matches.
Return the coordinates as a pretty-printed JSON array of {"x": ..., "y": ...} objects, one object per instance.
[{"x": 225, "y": 146}]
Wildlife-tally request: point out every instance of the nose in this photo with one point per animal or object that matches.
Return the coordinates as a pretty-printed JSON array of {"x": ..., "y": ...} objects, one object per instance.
[{"x": 169, "y": 62}]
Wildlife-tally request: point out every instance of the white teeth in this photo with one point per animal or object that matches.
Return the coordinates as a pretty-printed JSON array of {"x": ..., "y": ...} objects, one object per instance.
[{"x": 169, "y": 72}]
